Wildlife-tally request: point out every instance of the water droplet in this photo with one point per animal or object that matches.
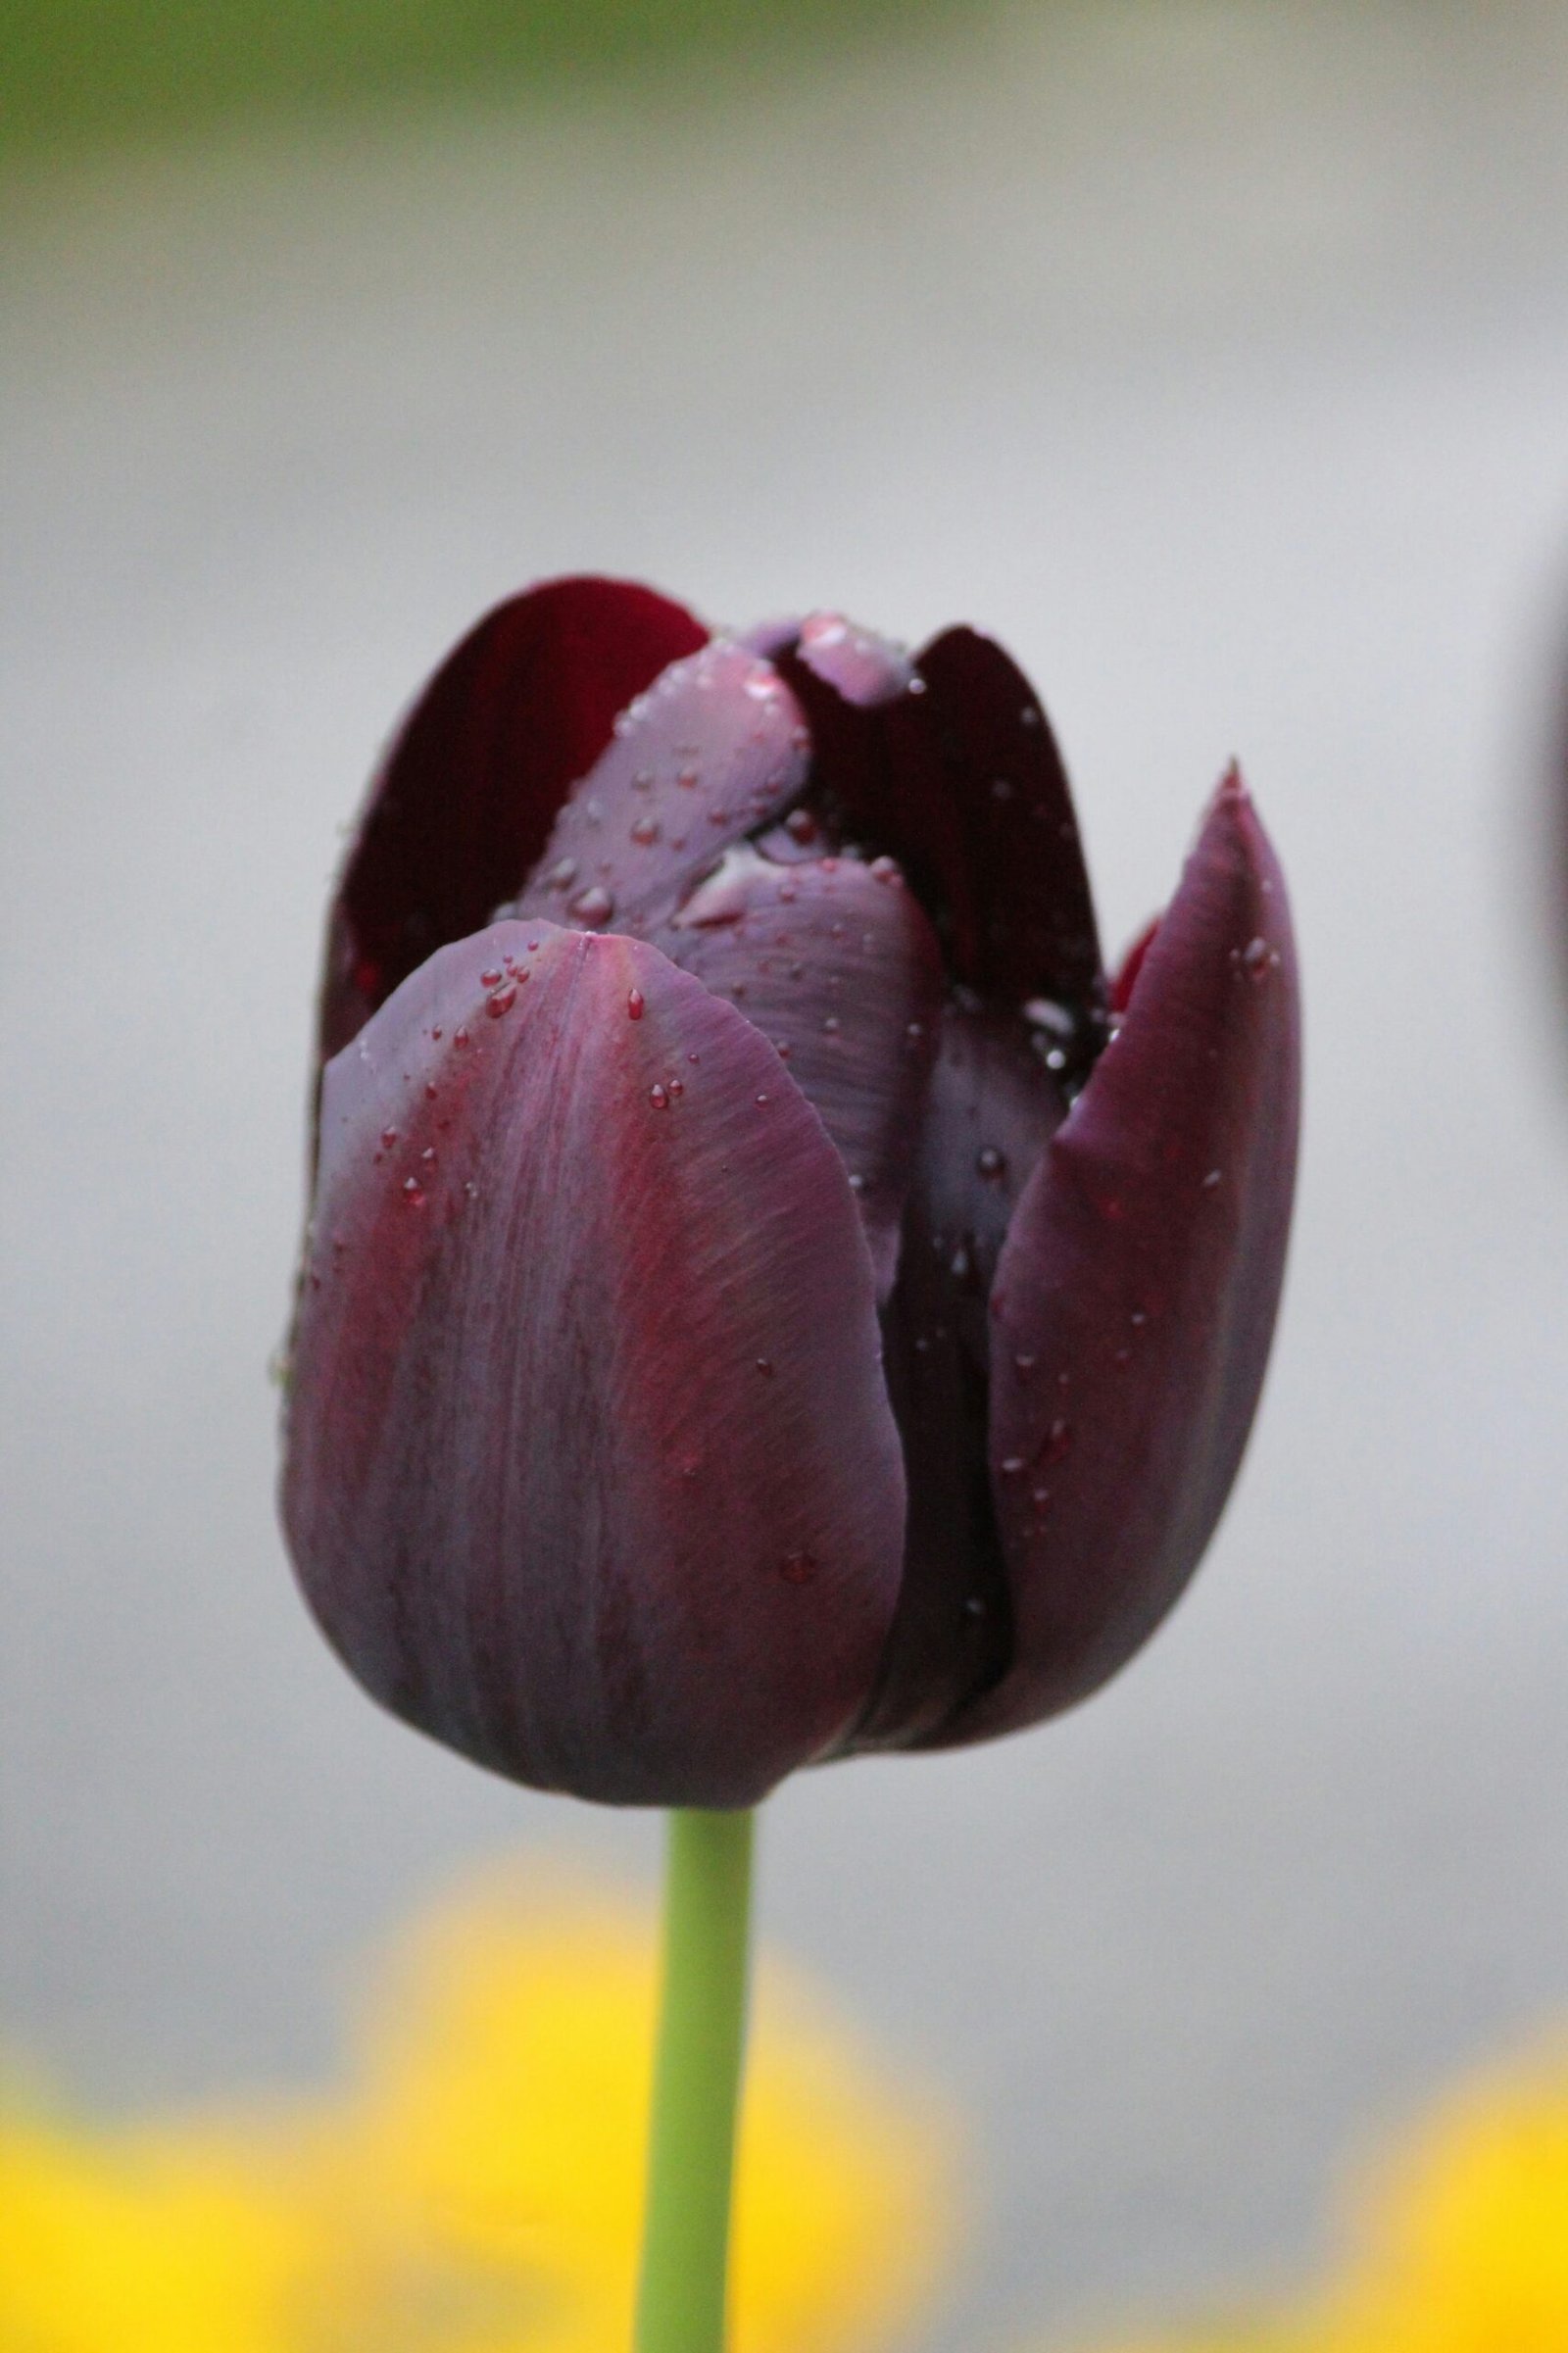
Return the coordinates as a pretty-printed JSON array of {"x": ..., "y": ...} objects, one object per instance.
[
  {"x": 798, "y": 1568},
  {"x": 1013, "y": 1466},
  {"x": 801, "y": 825},
  {"x": 430, "y": 1090},
  {"x": 1255, "y": 957},
  {"x": 915, "y": 1031},
  {"x": 917, "y": 686},
  {"x": 658, "y": 1096},
  {"x": 1214, "y": 1177},
  {"x": 761, "y": 1101},
  {"x": 857, "y": 1181},
  {"x": 562, "y": 874},
  {"x": 635, "y": 1002},
  {"x": 435, "y": 1033},
  {"x": 501, "y": 1001},
  {"x": 592, "y": 907},
  {"x": 489, "y": 977},
  {"x": 1024, "y": 1363},
  {"x": 413, "y": 1192},
  {"x": 677, "y": 1086},
  {"x": 765, "y": 1364},
  {"x": 958, "y": 1264},
  {"x": 832, "y": 1025},
  {"x": 694, "y": 1057},
  {"x": 887, "y": 869},
  {"x": 460, "y": 1040},
  {"x": 1058, "y": 1440},
  {"x": 1028, "y": 716},
  {"x": 389, "y": 1137},
  {"x": 1040, "y": 1497},
  {"x": 689, "y": 1465},
  {"x": 687, "y": 780},
  {"x": 783, "y": 1048},
  {"x": 975, "y": 1606},
  {"x": 1138, "y": 1318},
  {"x": 1003, "y": 788},
  {"x": 429, "y": 1156},
  {"x": 988, "y": 1162}
]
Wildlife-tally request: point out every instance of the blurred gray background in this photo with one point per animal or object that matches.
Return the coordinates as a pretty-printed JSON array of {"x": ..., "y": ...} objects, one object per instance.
[{"x": 1215, "y": 356}]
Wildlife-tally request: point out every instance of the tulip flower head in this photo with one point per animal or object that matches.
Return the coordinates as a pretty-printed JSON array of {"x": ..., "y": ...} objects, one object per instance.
[{"x": 767, "y": 1296}]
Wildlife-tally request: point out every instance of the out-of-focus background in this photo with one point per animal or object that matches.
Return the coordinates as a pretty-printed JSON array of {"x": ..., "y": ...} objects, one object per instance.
[{"x": 1215, "y": 356}]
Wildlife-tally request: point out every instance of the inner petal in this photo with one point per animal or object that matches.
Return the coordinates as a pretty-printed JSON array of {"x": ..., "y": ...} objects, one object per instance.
[
  {"x": 836, "y": 963},
  {"x": 715, "y": 749}
]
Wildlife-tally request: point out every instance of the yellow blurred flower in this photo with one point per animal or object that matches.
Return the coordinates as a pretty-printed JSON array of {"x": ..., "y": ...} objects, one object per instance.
[
  {"x": 476, "y": 2186},
  {"x": 1460, "y": 2238}
]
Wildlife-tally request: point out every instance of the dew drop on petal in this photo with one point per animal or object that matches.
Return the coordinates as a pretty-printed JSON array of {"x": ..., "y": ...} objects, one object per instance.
[
  {"x": 562, "y": 874},
  {"x": 389, "y": 1137},
  {"x": 765, "y": 1364},
  {"x": 413, "y": 1192},
  {"x": 658, "y": 1096},
  {"x": 1058, "y": 1442},
  {"x": 798, "y": 1567},
  {"x": 635, "y": 1002},
  {"x": 501, "y": 1001},
  {"x": 592, "y": 907},
  {"x": 988, "y": 1162},
  {"x": 490, "y": 976}
]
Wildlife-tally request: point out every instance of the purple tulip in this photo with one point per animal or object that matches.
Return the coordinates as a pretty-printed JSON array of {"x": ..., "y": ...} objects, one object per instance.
[{"x": 766, "y": 1297}]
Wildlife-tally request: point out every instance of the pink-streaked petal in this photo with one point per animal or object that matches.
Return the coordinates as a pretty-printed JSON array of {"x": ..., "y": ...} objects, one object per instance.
[
  {"x": 591, "y": 1472},
  {"x": 949, "y": 763},
  {"x": 1141, "y": 1278},
  {"x": 1132, "y": 963},
  {"x": 466, "y": 794},
  {"x": 836, "y": 963},
  {"x": 715, "y": 749},
  {"x": 991, "y": 1109}
]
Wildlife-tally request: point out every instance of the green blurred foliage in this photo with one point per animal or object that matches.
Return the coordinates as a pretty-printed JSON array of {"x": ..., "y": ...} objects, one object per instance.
[{"x": 73, "y": 72}]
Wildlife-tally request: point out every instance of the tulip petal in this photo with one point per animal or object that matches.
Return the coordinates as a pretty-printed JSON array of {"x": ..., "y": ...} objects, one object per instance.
[
  {"x": 991, "y": 1109},
  {"x": 715, "y": 749},
  {"x": 836, "y": 963},
  {"x": 1141, "y": 1279},
  {"x": 591, "y": 1471},
  {"x": 950, "y": 764},
  {"x": 464, "y": 800}
]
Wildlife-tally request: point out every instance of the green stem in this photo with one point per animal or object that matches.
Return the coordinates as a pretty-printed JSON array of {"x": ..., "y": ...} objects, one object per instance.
[{"x": 702, "y": 2032}]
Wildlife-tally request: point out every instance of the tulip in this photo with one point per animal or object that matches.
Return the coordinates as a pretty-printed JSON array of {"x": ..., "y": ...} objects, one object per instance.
[{"x": 768, "y": 1298}]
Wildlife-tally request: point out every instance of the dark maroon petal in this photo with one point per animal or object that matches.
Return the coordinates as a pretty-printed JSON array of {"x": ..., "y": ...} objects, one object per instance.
[
  {"x": 836, "y": 963},
  {"x": 950, "y": 764},
  {"x": 464, "y": 800},
  {"x": 991, "y": 1108},
  {"x": 715, "y": 749},
  {"x": 1139, "y": 1279},
  {"x": 591, "y": 1472}
]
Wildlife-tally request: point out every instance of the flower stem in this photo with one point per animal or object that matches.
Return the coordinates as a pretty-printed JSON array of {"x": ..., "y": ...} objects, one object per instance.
[{"x": 702, "y": 2032}]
